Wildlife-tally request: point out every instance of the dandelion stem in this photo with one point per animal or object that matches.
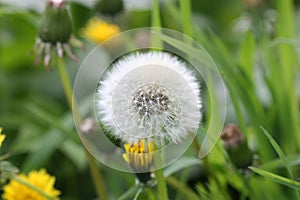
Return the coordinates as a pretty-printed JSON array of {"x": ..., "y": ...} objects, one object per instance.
[
  {"x": 150, "y": 194},
  {"x": 29, "y": 185},
  {"x": 66, "y": 83},
  {"x": 156, "y": 22},
  {"x": 161, "y": 185},
  {"x": 96, "y": 175}
]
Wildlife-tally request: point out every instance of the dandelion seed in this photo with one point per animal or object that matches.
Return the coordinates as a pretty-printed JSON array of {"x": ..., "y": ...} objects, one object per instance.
[{"x": 151, "y": 96}]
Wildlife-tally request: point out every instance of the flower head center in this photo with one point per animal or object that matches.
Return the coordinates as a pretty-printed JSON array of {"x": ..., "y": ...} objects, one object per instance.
[{"x": 151, "y": 99}]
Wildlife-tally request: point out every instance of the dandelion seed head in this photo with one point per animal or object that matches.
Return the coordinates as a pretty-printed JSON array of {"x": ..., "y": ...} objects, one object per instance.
[{"x": 150, "y": 96}]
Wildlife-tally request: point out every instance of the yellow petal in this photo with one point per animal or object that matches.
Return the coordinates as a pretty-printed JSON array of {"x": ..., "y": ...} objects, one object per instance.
[{"x": 2, "y": 137}]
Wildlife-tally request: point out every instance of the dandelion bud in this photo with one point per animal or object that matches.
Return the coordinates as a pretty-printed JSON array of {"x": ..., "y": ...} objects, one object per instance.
[
  {"x": 236, "y": 146},
  {"x": 109, "y": 7},
  {"x": 55, "y": 25},
  {"x": 55, "y": 34},
  {"x": 232, "y": 136}
]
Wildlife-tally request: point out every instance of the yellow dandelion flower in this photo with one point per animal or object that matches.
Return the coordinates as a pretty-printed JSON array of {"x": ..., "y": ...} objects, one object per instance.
[
  {"x": 2, "y": 137},
  {"x": 139, "y": 155},
  {"x": 15, "y": 190},
  {"x": 98, "y": 30}
]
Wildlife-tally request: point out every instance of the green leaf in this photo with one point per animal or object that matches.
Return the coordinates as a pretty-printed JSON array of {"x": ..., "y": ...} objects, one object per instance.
[
  {"x": 277, "y": 163},
  {"x": 13, "y": 44},
  {"x": 278, "y": 151},
  {"x": 247, "y": 54},
  {"x": 27, "y": 16},
  {"x": 201, "y": 55},
  {"x": 27, "y": 139},
  {"x": 180, "y": 164},
  {"x": 75, "y": 152},
  {"x": 180, "y": 187},
  {"x": 278, "y": 179},
  {"x": 46, "y": 147},
  {"x": 64, "y": 124},
  {"x": 130, "y": 193},
  {"x": 6, "y": 171}
]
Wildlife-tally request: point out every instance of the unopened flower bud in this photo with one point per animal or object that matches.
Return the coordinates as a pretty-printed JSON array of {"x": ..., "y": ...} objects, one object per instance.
[
  {"x": 232, "y": 136},
  {"x": 110, "y": 7},
  {"x": 55, "y": 25},
  {"x": 55, "y": 34},
  {"x": 236, "y": 146}
]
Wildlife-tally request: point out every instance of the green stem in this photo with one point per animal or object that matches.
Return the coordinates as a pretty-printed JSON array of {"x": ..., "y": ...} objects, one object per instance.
[
  {"x": 185, "y": 10},
  {"x": 161, "y": 185},
  {"x": 66, "y": 83},
  {"x": 29, "y": 185},
  {"x": 155, "y": 16},
  {"x": 97, "y": 177},
  {"x": 138, "y": 194},
  {"x": 150, "y": 194},
  {"x": 129, "y": 193},
  {"x": 156, "y": 22},
  {"x": 177, "y": 185},
  {"x": 5, "y": 156}
]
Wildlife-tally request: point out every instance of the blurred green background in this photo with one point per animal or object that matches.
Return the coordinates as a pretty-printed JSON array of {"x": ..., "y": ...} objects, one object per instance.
[{"x": 255, "y": 43}]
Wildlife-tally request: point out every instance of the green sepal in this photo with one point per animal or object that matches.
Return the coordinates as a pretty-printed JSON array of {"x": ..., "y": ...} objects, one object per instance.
[
  {"x": 143, "y": 177},
  {"x": 55, "y": 25}
]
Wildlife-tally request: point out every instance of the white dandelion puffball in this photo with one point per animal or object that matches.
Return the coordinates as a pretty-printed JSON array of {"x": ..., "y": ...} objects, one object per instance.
[{"x": 149, "y": 96}]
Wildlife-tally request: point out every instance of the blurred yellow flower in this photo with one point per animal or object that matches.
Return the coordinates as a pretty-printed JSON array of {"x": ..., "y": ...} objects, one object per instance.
[
  {"x": 2, "y": 137},
  {"x": 15, "y": 190},
  {"x": 98, "y": 30}
]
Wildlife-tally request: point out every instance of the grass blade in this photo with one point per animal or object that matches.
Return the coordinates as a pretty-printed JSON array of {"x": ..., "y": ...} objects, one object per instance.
[
  {"x": 130, "y": 193},
  {"x": 277, "y": 163},
  {"x": 180, "y": 164},
  {"x": 278, "y": 179},
  {"x": 278, "y": 151}
]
